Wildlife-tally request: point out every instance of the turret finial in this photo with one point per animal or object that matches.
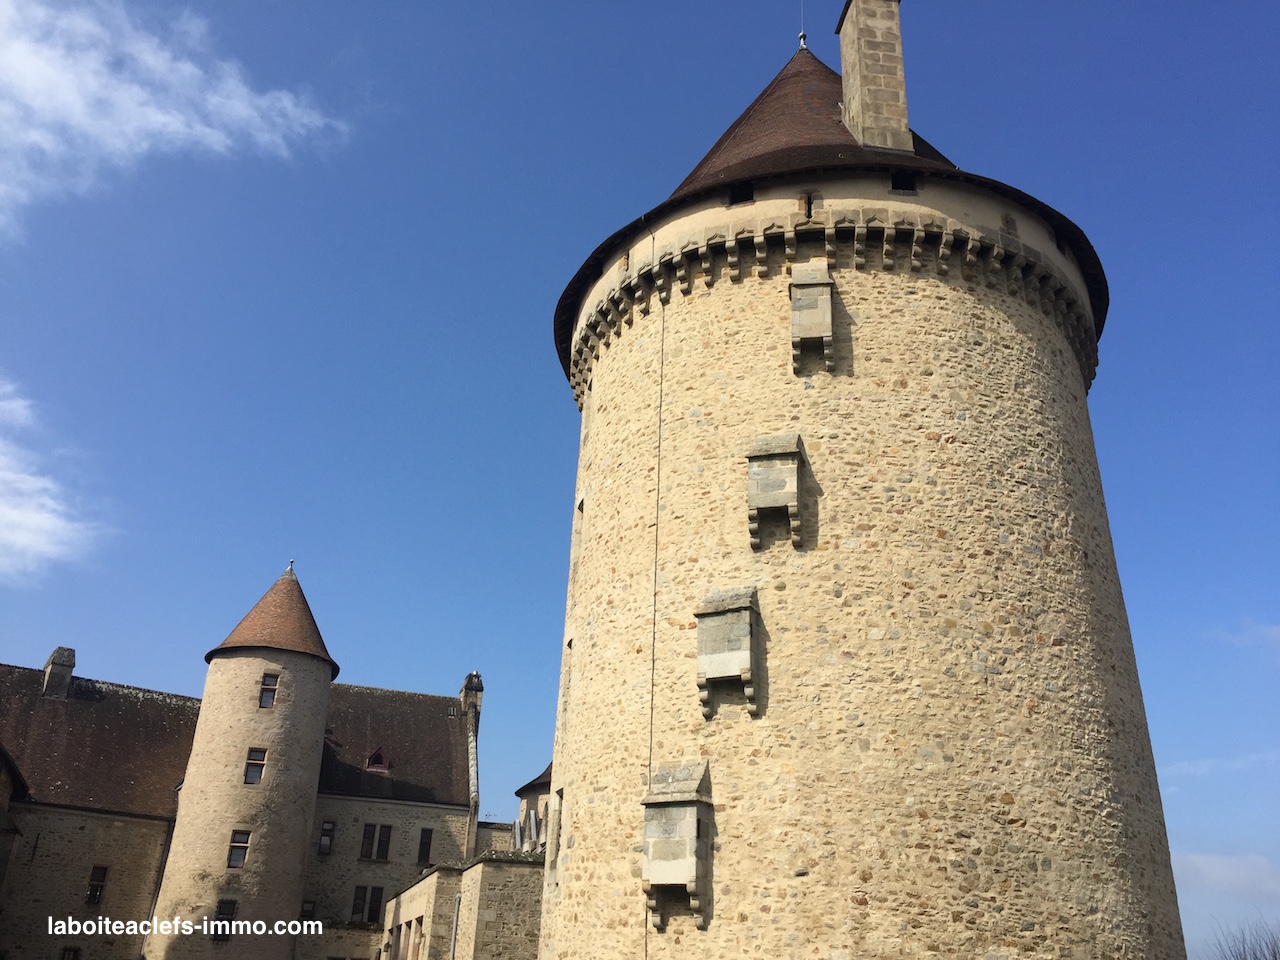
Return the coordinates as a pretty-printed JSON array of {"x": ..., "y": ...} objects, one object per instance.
[{"x": 803, "y": 37}]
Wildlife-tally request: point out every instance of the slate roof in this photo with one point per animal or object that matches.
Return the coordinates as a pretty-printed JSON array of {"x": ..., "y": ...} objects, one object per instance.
[
  {"x": 537, "y": 784},
  {"x": 105, "y": 747},
  {"x": 281, "y": 620},
  {"x": 794, "y": 127},
  {"x": 123, "y": 749},
  {"x": 426, "y": 747}
]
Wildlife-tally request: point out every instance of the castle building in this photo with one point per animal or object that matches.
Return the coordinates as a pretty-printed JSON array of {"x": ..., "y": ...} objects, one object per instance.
[
  {"x": 846, "y": 669},
  {"x": 279, "y": 795}
]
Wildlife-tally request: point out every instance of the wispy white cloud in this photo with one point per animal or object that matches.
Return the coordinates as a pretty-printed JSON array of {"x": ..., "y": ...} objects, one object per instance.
[
  {"x": 1213, "y": 766},
  {"x": 38, "y": 524},
  {"x": 1266, "y": 635},
  {"x": 84, "y": 88},
  {"x": 1250, "y": 877}
]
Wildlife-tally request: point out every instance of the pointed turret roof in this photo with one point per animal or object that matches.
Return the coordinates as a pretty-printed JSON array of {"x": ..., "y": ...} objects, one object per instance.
[
  {"x": 794, "y": 125},
  {"x": 281, "y": 620},
  {"x": 795, "y": 128}
]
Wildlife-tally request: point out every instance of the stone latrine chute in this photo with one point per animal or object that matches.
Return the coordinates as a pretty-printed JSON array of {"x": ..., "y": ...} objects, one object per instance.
[
  {"x": 678, "y": 822},
  {"x": 730, "y": 646},
  {"x": 773, "y": 485},
  {"x": 811, "y": 313}
]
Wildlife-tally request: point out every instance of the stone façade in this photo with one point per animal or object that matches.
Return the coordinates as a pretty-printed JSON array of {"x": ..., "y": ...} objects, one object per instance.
[{"x": 945, "y": 749}]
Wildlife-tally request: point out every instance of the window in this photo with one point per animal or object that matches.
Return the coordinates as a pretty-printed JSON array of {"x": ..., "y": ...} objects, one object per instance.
[
  {"x": 357, "y": 904},
  {"x": 326, "y": 838},
  {"x": 254, "y": 765},
  {"x": 374, "y": 833},
  {"x": 424, "y": 847},
  {"x": 377, "y": 761},
  {"x": 375, "y": 904},
  {"x": 226, "y": 912},
  {"x": 267, "y": 695},
  {"x": 308, "y": 911},
  {"x": 741, "y": 193},
  {"x": 97, "y": 880},
  {"x": 902, "y": 181},
  {"x": 239, "y": 849},
  {"x": 69, "y": 953}
]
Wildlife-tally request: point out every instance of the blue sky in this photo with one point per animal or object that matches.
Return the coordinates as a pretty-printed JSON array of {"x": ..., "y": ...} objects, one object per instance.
[{"x": 276, "y": 281}]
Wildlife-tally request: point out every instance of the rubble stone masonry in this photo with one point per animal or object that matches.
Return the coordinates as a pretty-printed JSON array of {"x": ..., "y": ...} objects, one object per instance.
[{"x": 950, "y": 755}]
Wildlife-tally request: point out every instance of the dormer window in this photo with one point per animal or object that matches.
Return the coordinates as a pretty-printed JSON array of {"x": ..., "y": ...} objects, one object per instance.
[
  {"x": 378, "y": 761},
  {"x": 267, "y": 693}
]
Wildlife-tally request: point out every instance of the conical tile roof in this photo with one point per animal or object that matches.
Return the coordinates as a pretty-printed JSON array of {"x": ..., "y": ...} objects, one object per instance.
[
  {"x": 793, "y": 125},
  {"x": 281, "y": 620}
]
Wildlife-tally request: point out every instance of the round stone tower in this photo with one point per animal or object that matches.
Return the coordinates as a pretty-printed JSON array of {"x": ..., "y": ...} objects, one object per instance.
[
  {"x": 846, "y": 670},
  {"x": 247, "y": 801}
]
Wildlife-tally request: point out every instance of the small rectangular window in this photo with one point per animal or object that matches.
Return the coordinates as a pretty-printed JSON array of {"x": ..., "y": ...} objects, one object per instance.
[
  {"x": 308, "y": 911},
  {"x": 267, "y": 694},
  {"x": 326, "y": 838},
  {"x": 366, "y": 841},
  {"x": 424, "y": 847},
  {"x": 384, "y": 843},
  {"x": 226, "y": 912},
  {"x": 741, "y": 193},
  {"x": 357, "y": 904},
  {"x": 375, "y": 904},
  {"x": 69, "y": 953},
  {"x": 239, "y": 848},
  {"x": 254, "y": 765},
  {"x": 97, "y": 882}
]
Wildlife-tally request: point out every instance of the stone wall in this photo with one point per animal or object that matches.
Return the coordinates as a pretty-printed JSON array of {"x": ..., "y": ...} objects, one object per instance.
[
  {"x": 331, "y": 879},
  {"x": 492, "y": 836},
  {"x": 53, "y": 854},
  {"x": 500, "y": 909},
  {"x": 951, "y": 753}
]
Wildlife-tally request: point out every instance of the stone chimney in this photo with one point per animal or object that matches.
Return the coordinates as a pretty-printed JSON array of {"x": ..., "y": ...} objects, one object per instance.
[
  {"x": 875, "y": 90},
  {"x": 57, "y": 672}
]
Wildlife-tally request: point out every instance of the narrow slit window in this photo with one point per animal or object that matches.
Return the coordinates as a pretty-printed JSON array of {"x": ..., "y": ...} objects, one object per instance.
[
  {"x": 97, "y": 883},
  {"x": 384, "y": 843},
  {"x": 239, "y": 850},
  {"x": 254, "y": 765},
  {"x": 308, "y": 911},
  {"x": 267, "y": 693},
  {"x": 424, "y": 847},
  {"x": 325, "y": 847},
  {"x": 366, "y": 841}
]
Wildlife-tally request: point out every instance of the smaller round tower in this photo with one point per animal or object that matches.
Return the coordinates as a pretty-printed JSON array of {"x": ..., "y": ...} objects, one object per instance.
[{"x": 246, "y": 806}]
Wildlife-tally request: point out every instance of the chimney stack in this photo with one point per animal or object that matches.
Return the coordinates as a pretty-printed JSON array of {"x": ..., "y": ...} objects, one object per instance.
[
  {"x": 57, "y": 672},
  {"x": 875, "y": 89}
]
